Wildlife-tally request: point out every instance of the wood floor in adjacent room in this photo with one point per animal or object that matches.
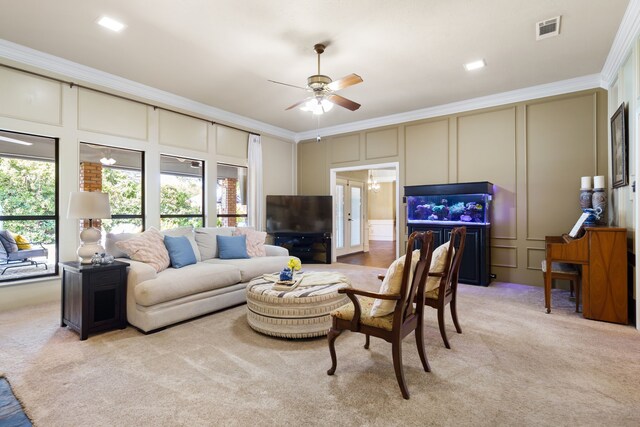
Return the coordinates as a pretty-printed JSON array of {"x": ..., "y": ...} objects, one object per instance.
[{"x": 381, "y": 254}]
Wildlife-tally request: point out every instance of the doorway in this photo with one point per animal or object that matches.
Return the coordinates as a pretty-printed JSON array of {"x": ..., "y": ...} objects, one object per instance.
[
  {"x": 349, "y": 216},
  {"x": 366, "y": 203}
]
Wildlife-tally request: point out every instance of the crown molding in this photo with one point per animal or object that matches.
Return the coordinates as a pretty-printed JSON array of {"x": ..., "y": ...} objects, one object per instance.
[
  {"x": 81, "y": 73},
  {"x": 622, "y": 43},
  {"x": 519, "y": 95}
]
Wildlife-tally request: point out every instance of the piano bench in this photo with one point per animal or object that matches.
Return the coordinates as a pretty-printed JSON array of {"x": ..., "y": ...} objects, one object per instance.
[{"x": 564, "y": 271}]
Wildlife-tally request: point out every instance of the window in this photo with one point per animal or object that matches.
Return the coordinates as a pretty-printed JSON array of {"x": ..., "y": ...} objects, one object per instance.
[
  {"x": 231, "y": 193},
  {"x": 181, "y": 192},
  {"x": 119, "y": 173},
  {"x": 28, "y": 205}
]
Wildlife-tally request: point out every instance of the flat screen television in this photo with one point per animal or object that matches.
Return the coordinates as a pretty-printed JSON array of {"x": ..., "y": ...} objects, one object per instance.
[{"x": 299, "y": 214}]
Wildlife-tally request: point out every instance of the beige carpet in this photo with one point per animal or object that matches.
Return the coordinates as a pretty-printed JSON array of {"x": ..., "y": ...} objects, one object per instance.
[{"x": 512, "y": 365}]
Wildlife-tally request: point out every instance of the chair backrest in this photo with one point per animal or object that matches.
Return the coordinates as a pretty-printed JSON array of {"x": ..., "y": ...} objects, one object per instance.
[
  {"x": 414, "y": 287},
  {"x": 449, "y": 282}
]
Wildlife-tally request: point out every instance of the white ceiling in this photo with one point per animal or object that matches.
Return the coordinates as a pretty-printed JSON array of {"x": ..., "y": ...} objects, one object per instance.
[{"x": 410, "y": 53}]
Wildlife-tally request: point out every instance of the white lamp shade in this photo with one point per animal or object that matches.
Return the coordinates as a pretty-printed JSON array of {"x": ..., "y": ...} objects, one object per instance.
[{"x": 89, "y": 205}]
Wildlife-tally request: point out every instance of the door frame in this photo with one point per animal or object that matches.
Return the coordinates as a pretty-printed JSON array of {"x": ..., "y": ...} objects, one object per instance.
[
  {"x": 332, "y": 188},
  {"x": 348, "y": 249}
]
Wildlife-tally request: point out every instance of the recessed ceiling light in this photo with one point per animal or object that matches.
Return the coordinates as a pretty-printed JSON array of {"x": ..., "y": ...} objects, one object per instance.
[
  {"x": 469, "y": 66},
  {"x": 110, "y": 23}
]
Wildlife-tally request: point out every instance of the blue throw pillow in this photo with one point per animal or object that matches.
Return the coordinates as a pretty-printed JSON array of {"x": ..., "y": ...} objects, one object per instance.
[
  {"x": 232, "y": 247},
  {"x": 180, "y": 251}
]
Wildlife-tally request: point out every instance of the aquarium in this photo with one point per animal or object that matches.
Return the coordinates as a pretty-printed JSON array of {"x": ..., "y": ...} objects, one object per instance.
[{"x": 451, "y": 204}]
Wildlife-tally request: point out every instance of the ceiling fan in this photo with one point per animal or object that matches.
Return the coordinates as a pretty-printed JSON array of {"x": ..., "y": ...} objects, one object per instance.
[{"x": 322, "y": 90}]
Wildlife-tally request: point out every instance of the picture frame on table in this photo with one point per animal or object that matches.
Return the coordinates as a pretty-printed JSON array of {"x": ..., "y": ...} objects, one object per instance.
[{"x": 619, "y": 148}]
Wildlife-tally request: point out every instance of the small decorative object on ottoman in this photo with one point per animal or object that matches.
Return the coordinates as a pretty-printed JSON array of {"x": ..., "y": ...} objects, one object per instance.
[
  {"x": 302, "y": 312},
  {"x": 286, "y": 275}
]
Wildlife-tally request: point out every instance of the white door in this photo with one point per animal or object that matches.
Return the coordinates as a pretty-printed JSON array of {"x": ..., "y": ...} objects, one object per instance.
[{"x": 349, "y": 217}]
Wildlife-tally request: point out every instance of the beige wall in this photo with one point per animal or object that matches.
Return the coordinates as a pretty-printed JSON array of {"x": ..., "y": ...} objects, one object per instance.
[
  {"x": 381, "y": 204},
  {"x": 534, "y": 152},
  {"x": 40, "y": 106}
]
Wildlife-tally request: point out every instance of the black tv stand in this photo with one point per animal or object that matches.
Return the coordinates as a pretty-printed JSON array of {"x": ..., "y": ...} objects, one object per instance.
[{"x": 311, "y": 248}]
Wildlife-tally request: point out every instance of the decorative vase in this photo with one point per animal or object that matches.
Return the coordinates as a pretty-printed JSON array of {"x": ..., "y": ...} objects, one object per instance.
[
  {"x": 599, "y": 202},
  {"x": 585, "y": 198},
  {"x": 286, "y": 275}
]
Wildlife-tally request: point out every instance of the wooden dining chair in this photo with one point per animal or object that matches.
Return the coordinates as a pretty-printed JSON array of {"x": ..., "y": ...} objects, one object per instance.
[
  {"x": 405, "y": 318},
  {"x": 447, "y": 289}
]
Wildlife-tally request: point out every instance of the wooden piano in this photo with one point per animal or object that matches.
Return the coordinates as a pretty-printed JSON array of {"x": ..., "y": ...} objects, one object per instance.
[{"x": 602, "y": 252}]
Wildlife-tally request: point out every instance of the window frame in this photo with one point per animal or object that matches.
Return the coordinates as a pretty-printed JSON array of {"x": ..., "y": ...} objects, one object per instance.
[
  {"x": 143, "y": 212},
  {"x": 55, "y": 217},
  {"x": 202, "y": 216},
  {"x": 236, "y": 215}
]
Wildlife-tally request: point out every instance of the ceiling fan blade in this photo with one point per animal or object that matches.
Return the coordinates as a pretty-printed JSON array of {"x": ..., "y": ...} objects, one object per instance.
[
  {"x": 298, "y": 104},
  {"x": 287, "y": 84},
  {"x": 343, "y": 102},
  {"x": 350, "y": 80}
]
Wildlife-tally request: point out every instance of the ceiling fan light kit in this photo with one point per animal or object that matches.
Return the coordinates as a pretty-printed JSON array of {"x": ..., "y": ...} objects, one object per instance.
[
  {"x": 317, "y": 106},
  {"x": 322, "y": 90}
]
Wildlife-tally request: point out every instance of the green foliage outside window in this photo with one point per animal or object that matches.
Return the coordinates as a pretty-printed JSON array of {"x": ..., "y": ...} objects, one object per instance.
[{"x": 27, "y": 187}]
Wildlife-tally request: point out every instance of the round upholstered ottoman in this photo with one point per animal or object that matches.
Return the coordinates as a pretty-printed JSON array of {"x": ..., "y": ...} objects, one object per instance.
[{"x": 303, "y": 312}]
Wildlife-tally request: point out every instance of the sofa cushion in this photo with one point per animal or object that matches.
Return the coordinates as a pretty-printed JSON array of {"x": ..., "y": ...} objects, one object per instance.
[
  {"x": 172, "y": 284},
  {"x": 188, "y": 233},
  {"x": 250, "y": 268},
  {"x": 112, "y": 239},
  {"x": 178, "y": 231},
  {"x": 147, "y": 247},
  {"x": 180, "y": 251},
  {"x": 255, "y": 240},
  {"x": 232, "y": 247},
  {"x": 206, "y": 240},
  {"x": 8, "y": 241}
]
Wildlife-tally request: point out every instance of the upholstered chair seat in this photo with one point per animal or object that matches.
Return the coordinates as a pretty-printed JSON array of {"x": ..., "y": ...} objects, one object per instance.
[{"x": 347, "y": 311}]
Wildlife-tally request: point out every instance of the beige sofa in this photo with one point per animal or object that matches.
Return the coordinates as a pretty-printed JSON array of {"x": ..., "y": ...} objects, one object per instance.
[{"x": 155, "y": 300}]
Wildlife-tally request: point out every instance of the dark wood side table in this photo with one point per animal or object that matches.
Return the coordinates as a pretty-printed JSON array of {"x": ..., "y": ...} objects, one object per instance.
[{"x": 94, "y": 298}]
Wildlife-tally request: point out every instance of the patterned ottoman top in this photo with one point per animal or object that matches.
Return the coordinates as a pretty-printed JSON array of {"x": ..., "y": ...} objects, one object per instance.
[{"x": 314, "y": 284}]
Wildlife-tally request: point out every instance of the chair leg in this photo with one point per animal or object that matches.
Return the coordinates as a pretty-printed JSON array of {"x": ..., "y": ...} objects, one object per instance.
[
  {"x": 366, "y": 343},
  {"x": 331, "y": 336},
  {"x": 397, "y": 366},
  {"x": 454, "y": 315},
  {"x": 571, "y": 288},
  {"x": 578, "y": 286},
  {"x": 420, "y": 344},
  {"x": 443, "y": 333}
]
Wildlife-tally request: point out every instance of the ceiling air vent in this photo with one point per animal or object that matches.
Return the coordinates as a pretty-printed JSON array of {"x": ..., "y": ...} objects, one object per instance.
[{"x": 548, "y": 28}]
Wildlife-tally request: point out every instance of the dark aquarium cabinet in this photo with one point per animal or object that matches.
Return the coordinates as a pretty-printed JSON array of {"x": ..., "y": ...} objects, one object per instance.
[{"x": 441, "y": 207}]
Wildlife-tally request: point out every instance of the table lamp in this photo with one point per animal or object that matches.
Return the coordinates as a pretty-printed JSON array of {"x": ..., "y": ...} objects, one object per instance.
[{"x": 89, "y": 205}]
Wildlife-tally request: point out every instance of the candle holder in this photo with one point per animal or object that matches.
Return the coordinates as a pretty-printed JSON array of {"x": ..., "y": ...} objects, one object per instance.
[
  {"x": 585, "y": 198},
  {"x": 599, "y": 202}
]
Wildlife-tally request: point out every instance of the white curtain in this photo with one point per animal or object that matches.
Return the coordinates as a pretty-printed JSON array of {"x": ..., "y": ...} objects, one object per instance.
[{"x": 255, "y": 182}]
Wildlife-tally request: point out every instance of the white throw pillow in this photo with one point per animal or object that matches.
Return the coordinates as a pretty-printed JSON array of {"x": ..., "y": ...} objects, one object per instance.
[
  {"x": 438, "y": 262},
  {"x": 392, "y": 283}
]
